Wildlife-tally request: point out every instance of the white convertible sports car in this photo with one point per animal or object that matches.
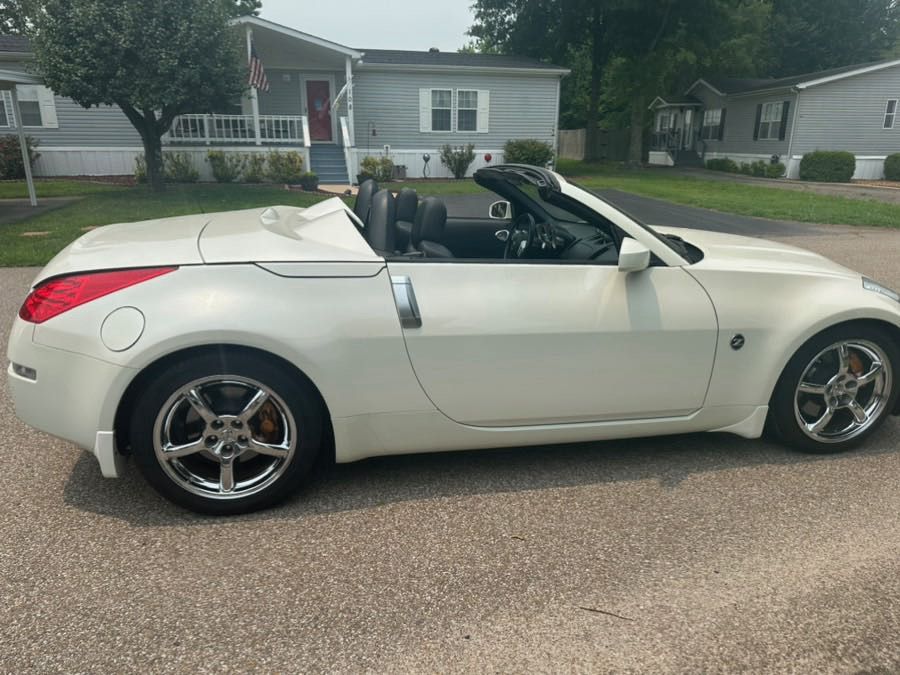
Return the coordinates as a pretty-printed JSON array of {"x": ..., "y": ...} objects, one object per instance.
[{"x": 226, "y": 352}]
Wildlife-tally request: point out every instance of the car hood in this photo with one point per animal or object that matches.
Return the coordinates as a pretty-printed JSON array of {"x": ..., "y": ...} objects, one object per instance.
[
  {"x": 321, "y": 233},
  {"x": 734, "y": 252}
]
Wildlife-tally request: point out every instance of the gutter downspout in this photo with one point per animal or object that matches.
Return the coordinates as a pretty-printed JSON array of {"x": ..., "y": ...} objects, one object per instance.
[{"x": 790, "y": 152}]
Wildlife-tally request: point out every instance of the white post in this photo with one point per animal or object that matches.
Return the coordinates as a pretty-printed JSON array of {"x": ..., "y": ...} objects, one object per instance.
[
  {"x": 23, "y": 144},
  {"x": 348, "y": 70},
  {"x": 254, "y": 97}
]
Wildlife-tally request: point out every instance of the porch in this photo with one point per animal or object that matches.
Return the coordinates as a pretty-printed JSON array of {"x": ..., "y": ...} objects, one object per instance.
[
  {"x": 676, "y": 138},
  {"x": 308, "y": 106}
]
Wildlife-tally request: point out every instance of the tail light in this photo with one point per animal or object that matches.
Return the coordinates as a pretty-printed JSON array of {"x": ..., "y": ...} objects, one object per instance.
[{"x": 60, "y": 294}]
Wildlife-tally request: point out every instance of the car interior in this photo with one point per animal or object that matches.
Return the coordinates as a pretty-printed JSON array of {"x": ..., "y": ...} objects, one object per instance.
[{"x": 522, "y": 225}]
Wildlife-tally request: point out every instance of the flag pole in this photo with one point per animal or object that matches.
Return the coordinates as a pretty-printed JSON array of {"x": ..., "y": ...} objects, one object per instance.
[{"x": 254, "y": 98}]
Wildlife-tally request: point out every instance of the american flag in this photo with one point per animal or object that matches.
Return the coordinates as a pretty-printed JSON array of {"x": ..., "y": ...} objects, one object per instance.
[{"x": 257, "y": 72}]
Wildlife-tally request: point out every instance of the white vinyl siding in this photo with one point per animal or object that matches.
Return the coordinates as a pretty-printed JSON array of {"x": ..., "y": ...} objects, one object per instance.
[
  {"x": 712, "y": 119},
  {"x": 770, "y": 121},
  {"x": 454, "y": 110},
  {"x": 37, "y": 106},
  {"x": 890, "y": 112}
]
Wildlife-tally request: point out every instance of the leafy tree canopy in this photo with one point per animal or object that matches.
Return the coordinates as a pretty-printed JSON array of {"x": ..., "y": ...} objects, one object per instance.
[{"x": 141, "y": 57}]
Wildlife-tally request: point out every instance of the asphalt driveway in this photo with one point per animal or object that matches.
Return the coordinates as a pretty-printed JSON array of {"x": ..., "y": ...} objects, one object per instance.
[{"x": 702, "y": 553}]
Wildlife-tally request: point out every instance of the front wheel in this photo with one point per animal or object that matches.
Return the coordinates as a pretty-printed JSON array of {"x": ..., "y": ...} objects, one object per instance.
[
  {"x": 837, "y": 389},
  {"x": 226, "y": 433}
]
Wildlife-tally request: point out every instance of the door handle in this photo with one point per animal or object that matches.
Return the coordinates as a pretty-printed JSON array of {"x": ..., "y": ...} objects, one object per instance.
[{"x": 405, "y": 299}]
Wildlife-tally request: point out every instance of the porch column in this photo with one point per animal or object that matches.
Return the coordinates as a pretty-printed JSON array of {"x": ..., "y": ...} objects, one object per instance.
[
  {"x": 254, "y": 96},
  {"x": 26, "y": 159},
  {"x": 348, "y": 71}
]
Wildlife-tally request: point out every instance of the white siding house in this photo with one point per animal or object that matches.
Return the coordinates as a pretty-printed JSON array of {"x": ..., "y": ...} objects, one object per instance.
[
  {"x": 851, "y": 109},
  {"x": 334, "y": 104}
]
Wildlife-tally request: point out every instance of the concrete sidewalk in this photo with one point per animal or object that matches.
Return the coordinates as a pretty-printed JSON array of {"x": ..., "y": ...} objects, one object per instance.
[{"x": 14, "y": 210}]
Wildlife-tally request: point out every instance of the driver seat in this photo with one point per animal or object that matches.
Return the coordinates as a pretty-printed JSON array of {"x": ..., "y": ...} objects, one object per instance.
[
  {"x": 428, "y": 229},
  {"x": 379, "y": 232}
]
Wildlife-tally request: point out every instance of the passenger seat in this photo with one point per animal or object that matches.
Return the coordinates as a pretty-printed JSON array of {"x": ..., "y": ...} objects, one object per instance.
[
  {"x": 363, "y": 203},
  {"x": 428, "y": 229},
  {"x": 407, "y": 204}
]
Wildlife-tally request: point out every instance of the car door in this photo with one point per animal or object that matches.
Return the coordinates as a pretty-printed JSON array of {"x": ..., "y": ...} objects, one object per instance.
[{"x": 511, "y": 344}]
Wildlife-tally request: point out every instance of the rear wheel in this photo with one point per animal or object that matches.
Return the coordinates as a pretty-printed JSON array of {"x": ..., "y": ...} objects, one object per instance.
[
  {"x": 837, "y": 389},
  {"x": 226, "y": 433}
]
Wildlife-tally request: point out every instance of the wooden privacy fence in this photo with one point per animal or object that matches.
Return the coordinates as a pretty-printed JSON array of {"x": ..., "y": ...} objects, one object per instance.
[{"x": 608, "y": 144}]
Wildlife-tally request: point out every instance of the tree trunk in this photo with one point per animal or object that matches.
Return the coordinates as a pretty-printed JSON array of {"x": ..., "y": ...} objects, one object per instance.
[
  {"x": 592, "y": 119},
  {"x": 153, "y": 160},
  {"x": 636, "y": 143}
]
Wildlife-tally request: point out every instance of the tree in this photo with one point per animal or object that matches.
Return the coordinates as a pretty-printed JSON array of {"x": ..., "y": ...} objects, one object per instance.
[
  {"x": 14, "y": 16},
  {"x": 243, "y": 7},
  {"x": 810, "y": 35},
  {"x": 144, "y": 57}
]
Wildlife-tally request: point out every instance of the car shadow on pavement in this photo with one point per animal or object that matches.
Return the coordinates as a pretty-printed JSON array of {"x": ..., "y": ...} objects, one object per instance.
[{"x": 386, "y": 480}]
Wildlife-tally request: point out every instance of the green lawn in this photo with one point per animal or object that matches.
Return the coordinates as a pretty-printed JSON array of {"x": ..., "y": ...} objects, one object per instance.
[
  {"x": 102, "y": 204},
  {"x": 740, "y": 198},
  {"x": 119, "y": 204},
  {"x": 16, "y": 189}
]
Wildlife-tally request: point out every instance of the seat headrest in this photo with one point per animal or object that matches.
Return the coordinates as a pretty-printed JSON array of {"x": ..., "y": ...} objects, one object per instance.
[
  {"x": 363, "y": 202},
  {"x": 407, "y": 203},
  {"x": 431, "y": 217},
  {"x": 379, "y": 230}
]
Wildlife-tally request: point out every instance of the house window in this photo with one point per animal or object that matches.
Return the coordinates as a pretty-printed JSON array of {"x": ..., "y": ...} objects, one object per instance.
[
  {"x": 890, "y": 112},
  {"x": 770, "y": 121},
  {"x": 37, "y": 106},
  {"x": 712, "y": 120},
  {"x": 5, "y": 105},
  {"x": 467, "y": 110},
  {"x": 441, "y": 109}
]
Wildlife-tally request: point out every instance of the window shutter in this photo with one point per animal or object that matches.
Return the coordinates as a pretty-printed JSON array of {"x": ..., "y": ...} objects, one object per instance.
[
  {"x": 48, "y": 107},
  {"x": 424, "y": 110},
  {"x": 756, "y": 123},
  {"x": 722, "y": 124},
  {"x": 785, "y": 107},
  {"x": 484, "y": 111}
]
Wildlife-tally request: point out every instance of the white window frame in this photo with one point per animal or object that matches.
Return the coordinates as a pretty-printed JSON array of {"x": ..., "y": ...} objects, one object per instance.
[
  {"x": 890, "y": 113},
  {"x": 36, "y": 93},
  {"x": 772, "y": 112},
  {"x": 432, "y": 108},
  {"x": 475, "y": 110},
  {"x": 712, "y": 120},
  {"x": 6, "y": 104}
]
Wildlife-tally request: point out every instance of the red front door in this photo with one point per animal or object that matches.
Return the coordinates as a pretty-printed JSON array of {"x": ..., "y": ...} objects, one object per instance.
[{"x": 318, "y": 106}]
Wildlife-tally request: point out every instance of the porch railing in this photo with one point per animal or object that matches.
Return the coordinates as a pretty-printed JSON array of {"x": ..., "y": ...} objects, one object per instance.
[
  {"x": 348, "y": 148},
  {"x": 666, "y": 140},
  {"x": 239, "y": 129}
]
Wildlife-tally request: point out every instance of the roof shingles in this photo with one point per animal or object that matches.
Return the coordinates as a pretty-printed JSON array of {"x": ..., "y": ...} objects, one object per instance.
[
  {"x": 14, "y": 43},
  {"x": 410, "y": 58}
]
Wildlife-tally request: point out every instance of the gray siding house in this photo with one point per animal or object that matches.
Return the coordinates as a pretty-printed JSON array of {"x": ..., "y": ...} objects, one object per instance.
[
  {"x": 852, "y": 108},
  {"x": 332, "y": 103}
]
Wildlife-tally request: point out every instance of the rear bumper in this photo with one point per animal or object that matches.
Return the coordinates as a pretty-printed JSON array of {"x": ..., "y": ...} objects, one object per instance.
[{"x": 70, "y": 396}]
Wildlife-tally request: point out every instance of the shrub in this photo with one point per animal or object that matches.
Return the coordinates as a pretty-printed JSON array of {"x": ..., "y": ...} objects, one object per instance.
[
  {"x": 827, "y": 167},
  {"x": 140, "y": 169},
  {"x": 11, "y": 165},
  {"x": 722, "y": 164},
  {"x": 458, "y": 159},
  {"x": 528, "y": 151},
  {"x": 892, "y": 167},
  {"x": 226, "y": 166},
  {"x": 745, "y": 169},
  {"x": 178, "y": 167},
  {"x": 309, "y": 181},
  {"x": 379, "y": 168},
  {"x": 775, "y": 170},
  {"x": 254, "y": 168},
  {"x": 285, "y": 167}
]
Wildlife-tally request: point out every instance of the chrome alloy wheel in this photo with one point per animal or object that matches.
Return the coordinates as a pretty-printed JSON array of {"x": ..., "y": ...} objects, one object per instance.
[
  {"x": 224, "y": 437},
  {"x": 843, "y": 391}
]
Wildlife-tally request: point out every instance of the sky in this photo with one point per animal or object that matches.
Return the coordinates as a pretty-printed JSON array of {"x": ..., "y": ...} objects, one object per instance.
[{"x": 386, "y": 24}]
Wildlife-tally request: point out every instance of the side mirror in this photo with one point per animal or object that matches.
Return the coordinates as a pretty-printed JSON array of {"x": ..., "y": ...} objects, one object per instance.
[
  {"x": 500, "y": 210},
  {"x": 633, "y": 256}
]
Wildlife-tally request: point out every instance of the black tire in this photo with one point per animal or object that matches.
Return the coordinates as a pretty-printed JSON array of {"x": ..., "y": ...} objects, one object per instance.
[
  {"x": 295, "y": 397},
  {"x": 782, "y": 411}
]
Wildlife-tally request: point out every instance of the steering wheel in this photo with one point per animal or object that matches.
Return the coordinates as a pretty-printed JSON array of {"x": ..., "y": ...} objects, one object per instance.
[{"x": 521, "y": 236}]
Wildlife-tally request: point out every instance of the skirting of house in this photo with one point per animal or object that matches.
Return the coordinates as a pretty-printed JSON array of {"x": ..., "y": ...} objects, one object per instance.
[
  {"x": 111, "y": 161},
  {"x": 868, "y": 167},
  {"x": 413, "y": 160}
]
